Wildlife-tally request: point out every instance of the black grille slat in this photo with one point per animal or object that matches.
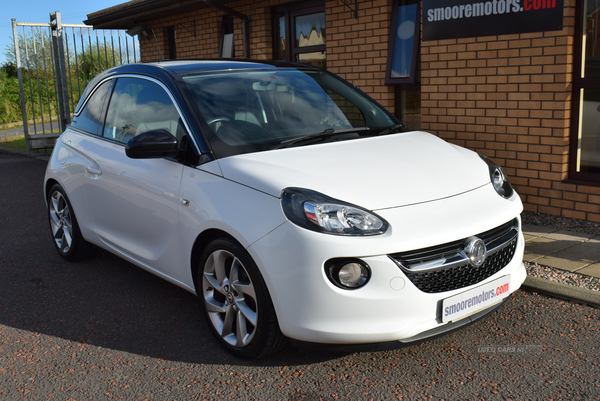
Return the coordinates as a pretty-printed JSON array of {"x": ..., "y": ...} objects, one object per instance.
[
  {"x": 428, "y": 253},
  {"x": 464, "y": 275}
]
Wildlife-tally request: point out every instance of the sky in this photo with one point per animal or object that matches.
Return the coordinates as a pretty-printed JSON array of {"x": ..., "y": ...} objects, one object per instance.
[{"x": 72, "y": 12}]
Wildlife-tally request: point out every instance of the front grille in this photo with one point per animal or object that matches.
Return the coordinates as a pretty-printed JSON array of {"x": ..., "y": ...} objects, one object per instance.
[{"x": 445, "y": 267}]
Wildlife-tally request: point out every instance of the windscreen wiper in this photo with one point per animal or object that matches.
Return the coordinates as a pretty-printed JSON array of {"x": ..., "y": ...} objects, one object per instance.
[
  {"x": 392, "y": 129},
  {"x": 329, "y": 132}
]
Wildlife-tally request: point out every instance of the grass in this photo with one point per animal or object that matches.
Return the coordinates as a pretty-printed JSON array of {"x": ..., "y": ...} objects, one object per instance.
[{"x": 14, "y": 144}]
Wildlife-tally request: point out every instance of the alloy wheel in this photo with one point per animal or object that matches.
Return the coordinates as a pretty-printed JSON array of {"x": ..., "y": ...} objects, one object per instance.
[
  {"x": 60, "y": 222},
  {"x": 230, "y": 298}
]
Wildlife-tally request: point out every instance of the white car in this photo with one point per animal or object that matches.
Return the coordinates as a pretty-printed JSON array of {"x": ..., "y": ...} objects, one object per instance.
[{"x": 294, "y": 205}]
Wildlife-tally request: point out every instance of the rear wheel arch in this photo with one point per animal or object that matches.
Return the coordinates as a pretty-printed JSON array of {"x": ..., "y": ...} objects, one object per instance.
[{"x": 64, "y": 227}]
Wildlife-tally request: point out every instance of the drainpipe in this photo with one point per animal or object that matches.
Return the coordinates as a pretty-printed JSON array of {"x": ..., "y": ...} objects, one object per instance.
[{"x": 236, "y": 14}]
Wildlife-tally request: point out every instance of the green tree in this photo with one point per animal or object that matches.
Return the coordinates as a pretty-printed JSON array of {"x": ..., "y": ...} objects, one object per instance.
[
  {"x": 97, "y": 58},
  {"x": 9, "y": 87},
  {"x": 37, "y": 69}
]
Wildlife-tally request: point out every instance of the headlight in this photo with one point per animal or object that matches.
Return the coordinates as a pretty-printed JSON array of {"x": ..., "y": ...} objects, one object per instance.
[
  {"x": 498, "y": 178},
  {"x": 318, "y": 212}
]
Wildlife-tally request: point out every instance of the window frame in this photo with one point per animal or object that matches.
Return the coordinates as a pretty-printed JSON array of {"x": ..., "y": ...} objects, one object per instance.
[
  {"x": 579, "y": 84},
  {"x": 290, "y": 12},
  {"x": 412, "y": 78},
  {"x": 227, "y": 21},
  {"x": 172, "y": 41}
]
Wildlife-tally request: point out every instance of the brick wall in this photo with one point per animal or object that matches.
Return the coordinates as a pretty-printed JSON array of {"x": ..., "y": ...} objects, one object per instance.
[
  {"x": 509, "y": 97},
  {"x": 205, "y": 44},
  {"x": 357, "y": 49}
]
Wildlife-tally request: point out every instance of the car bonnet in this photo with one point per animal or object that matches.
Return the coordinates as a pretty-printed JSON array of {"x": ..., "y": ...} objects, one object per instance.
[{"x": 375, "y": 173}]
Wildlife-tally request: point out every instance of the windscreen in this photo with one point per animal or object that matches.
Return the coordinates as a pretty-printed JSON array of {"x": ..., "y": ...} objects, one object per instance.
[{"x": 257, "y": 110}]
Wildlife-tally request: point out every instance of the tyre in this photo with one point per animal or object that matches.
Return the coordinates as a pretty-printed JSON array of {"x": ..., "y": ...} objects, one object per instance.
[
  {"x": 65, "y": 232},
  {"x": 236, "y": 301}
]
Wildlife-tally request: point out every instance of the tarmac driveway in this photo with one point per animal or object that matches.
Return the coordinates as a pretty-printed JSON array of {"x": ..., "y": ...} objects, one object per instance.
[{"x": 105, "y": 329}]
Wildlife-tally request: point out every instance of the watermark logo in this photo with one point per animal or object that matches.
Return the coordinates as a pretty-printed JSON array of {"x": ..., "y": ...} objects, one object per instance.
[
  {"x": 452, "y": 19},
  {"x": 510, "y": 349}
]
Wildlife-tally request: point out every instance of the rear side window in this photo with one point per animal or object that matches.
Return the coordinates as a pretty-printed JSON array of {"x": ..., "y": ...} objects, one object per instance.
[{"x": 91, "y": 118}]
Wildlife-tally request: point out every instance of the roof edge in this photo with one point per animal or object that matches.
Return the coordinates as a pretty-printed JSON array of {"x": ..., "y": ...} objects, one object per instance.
[{"x": 127, "y": 15}]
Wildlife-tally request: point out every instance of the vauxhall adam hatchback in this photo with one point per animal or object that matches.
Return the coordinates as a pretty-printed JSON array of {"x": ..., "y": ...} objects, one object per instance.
[{"x": 291, "y": 203}]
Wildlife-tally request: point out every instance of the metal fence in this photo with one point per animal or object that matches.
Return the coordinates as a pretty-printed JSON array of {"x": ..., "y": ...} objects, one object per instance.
[{"x": 55, "y": 62}]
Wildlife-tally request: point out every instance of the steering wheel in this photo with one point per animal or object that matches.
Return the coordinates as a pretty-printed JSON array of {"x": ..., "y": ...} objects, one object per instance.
[{"x": 215, "y": 123}]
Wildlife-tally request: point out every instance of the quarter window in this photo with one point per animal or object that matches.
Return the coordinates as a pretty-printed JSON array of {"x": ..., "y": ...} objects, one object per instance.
[{"x": 90, "y": 118}]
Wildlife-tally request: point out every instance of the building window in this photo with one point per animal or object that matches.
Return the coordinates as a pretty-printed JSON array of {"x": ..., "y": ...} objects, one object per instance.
[
  {"x": 226, "y": 47},
  {"x": 584, "y": 162},
  {"x": 172, "y": 38},
  {"x": 404, "y": 42},
  {"x": 403, "y": 65},
  {"x": 300, "y": 33}
]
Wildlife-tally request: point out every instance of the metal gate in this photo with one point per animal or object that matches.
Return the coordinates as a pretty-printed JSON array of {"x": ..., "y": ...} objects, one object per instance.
[{"x": 55, "y": 62}]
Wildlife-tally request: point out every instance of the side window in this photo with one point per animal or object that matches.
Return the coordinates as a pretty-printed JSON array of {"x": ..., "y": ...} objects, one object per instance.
[
  {"x": 91, "y": 117},
  {"x": 137, "y": 106}
]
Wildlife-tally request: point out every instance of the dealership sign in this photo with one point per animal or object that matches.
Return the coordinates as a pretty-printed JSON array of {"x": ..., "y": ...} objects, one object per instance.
[{"x": 451, "y": 19}]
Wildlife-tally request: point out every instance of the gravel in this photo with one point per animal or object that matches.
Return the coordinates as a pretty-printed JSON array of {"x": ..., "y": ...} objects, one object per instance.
[
  {"x": 561, "y": 276},
  {"x": 566, "y": 224},
  {"x": 561, "y": 223}
]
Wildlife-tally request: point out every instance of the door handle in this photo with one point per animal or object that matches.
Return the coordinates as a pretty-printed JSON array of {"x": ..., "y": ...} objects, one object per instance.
[{"x": 93, "y": 172}]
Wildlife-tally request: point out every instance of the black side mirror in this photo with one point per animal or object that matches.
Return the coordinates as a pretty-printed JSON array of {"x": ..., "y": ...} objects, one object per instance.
[{"x": 152, "y": 145}]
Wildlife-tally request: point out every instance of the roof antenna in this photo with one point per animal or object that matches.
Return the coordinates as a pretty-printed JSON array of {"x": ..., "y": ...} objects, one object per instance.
[{"x": 157, "y": 45}]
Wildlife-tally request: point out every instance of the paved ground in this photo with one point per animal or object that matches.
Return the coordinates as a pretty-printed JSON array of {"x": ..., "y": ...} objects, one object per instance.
[
  {"x": 573, "y": 252},
  {"x": 105, "y": 329}
]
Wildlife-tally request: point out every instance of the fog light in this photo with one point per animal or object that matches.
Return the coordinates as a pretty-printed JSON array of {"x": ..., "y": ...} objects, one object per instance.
[
  {"x": 352, "y": 275},
  {"x": 348, "y": 273}
]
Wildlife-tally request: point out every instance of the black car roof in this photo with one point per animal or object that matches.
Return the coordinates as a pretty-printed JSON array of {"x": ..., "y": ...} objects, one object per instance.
[
  {"x": 164, "y": 70},
  {"x": 191, "y": 66}
]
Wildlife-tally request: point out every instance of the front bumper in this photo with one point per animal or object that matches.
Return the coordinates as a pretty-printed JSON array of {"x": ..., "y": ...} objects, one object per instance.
[
  {"x": 389, "y": 308},
  {"x": 406, "y": 342}
]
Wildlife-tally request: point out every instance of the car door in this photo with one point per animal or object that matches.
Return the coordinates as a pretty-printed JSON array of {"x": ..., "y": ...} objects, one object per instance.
[{"x": 134, "y": 202}]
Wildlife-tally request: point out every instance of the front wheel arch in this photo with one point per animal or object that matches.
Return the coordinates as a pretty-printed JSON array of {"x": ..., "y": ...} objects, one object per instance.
[
  {"x": 266, "y": 337},
  {"x": 202, "y": 241},
  {"x": 47, "y": 187}
]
